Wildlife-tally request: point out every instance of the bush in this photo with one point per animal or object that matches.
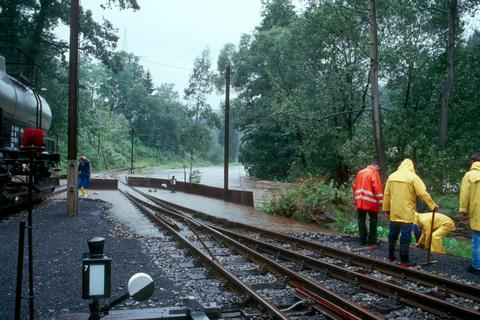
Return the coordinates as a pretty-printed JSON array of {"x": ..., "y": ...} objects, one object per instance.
[
  {"x": 195, "y": 176},
  {"x": 314, "y": 201},
  {"x": 382, "y": 232}
]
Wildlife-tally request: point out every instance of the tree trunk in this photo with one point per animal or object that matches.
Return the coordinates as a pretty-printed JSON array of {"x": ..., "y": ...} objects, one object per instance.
[
  {"x": 377, "y": 121},
  {"x": 191, "y": 167},
  {"x": 36, "y": 38},
  {"x": 11, "y": 23},
  {"x": 448, "y": 87}
]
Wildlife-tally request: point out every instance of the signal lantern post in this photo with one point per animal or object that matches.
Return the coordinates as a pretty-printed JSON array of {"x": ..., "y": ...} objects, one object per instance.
[
  {"x": 72, "y": 174},
  {"x": 32, "y": 144}
]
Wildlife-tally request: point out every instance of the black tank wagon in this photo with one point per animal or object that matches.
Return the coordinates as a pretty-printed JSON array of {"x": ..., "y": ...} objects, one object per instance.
[{"x": 20, "y": 108}]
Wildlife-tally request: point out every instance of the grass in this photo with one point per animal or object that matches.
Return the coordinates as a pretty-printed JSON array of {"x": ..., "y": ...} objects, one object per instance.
[
  {"x": 448, "y": 203},
  {"x": 382, "y": 232},
  {"x": 458, "y": 247}
]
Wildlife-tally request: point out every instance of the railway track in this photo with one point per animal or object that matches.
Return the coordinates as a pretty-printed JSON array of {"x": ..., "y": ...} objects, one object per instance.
[
  {"x": 309, "y": 273},
  {"x": 211, "y": 246}
]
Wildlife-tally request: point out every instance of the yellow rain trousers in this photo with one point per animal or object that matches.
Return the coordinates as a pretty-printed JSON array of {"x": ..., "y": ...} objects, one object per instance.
[
  {"x": 470, "y": 195},
  {"x": 402, "y": 188},
  {"x": 442, "y": 225},
  {"x": 83, "y": 192}
]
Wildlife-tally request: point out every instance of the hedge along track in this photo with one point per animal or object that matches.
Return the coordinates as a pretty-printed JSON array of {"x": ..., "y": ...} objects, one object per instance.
[
  {"x": 416, "y": 299},
  {"x": 323, "y": 300}
]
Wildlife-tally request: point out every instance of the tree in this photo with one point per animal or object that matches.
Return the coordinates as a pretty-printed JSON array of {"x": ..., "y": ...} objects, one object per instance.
[
  {"x": 31, "y": 24},
  {"x": 377, "y": 119},
  {"x": 448, "y": 87},
  {"x": 303, "y": 84},
  {"x": 148, "y": 83},
  {"x": 446, "y": 26},
  {"x": 195, "y": 135}
]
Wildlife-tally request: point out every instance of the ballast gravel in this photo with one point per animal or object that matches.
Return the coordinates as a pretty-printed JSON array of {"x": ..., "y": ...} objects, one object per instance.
[{"x": 59, "y": 242}]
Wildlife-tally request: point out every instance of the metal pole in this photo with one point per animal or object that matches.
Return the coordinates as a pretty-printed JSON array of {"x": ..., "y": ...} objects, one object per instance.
[
  {"x": 37, "y": 121},
  {"x": 131, "y": 156},
  {"x": 30, "y": 236},
  {"x": 227, "y": 132},
  {"x": 18, "y": 293},
  {"x": 72, "y": 194},
  {"x": 41, "y": 110}
]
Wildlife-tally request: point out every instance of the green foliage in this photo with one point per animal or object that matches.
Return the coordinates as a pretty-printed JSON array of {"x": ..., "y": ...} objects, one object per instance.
[
  {"x": 260, "y": 146},
  {"x": 304, "y": 101},
  {"x": 382, "y": 232},
  {"x": 351, "y": 229},
  {"x": 448, "y": 202},
  {"x": 117, "y": 96},
  {"x": 458, "y": 247},
  {"x": 313, "y": 200},
  {"x": 195, "y": 176}
]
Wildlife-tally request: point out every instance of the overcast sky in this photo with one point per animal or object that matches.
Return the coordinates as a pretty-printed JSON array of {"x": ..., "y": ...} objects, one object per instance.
[{"x": 168, "y": 34}]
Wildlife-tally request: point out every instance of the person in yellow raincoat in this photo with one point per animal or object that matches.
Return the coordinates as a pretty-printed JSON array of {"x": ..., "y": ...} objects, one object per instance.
[
  {"x": 470, "y": 205},
  {"x": 399, "y": 203},
  {"x": 442, "y": 225}
]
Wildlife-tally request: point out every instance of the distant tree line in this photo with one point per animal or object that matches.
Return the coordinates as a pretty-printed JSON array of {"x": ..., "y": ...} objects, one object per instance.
[{"x": 117, "y": 96}]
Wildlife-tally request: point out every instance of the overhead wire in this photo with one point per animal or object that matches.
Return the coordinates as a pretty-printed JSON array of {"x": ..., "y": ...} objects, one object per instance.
[{"x": 163, "y": 64}]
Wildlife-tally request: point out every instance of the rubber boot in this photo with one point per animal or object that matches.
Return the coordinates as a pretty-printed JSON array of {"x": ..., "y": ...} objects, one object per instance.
[
  {"x": 391, "y": 250},
  {"x": 404, "y": 260},
  {"x": 82, "y": 191}
]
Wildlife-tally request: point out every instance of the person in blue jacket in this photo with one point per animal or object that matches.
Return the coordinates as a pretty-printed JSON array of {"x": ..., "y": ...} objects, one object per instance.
[{"x": 83, "y": 176}]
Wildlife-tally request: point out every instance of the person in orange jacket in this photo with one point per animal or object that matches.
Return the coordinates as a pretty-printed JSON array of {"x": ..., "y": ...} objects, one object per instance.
[{"x": 368, "y": 196}]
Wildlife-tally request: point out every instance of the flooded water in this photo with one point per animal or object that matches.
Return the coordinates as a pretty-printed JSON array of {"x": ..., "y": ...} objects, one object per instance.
[{"x": 238, "y": 179}]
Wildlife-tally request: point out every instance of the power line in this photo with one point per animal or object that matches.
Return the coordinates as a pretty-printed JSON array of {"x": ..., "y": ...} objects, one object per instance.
[{"x": 163, "y": 64}]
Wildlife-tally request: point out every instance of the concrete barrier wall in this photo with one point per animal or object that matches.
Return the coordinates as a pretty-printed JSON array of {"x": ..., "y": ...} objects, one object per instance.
[
  {"x": 99, "y": 183},
  {"x": 103, "y": 184},
  {"x": 236, "y": 196}
]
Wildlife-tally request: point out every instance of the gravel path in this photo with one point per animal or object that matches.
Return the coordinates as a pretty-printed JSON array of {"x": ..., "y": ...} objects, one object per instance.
[{"x": 59, "y": 243}]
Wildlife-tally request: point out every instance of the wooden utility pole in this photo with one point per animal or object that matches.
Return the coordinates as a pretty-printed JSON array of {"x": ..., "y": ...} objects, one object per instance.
[
  {"x": 377, "y": 119},
  {"x": 72, "y": 175},
  {"x": 448, "y": 87},
  {"x": 227, "y": 133}
]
